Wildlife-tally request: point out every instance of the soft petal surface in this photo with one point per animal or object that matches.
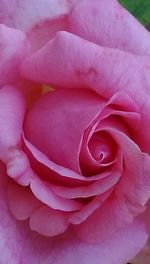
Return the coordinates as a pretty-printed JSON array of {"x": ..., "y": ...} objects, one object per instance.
[
  {"x": 39, "y": 19},
  {"x": 108, "y": 24},
  {"x": 55, "y": 221},
  {"x": 11, "y": 118},
  {"x": 116, "y": 71},
  {"x": 23, "y": 204},
  {"x": 19, "y": 244},
  {"x": 26, "y": 14},
  {"x": 128, "y": 198},
  {"x": 13, "y": 48},
  {"x": 44, "y": 193},
  {"x": 106, "y": 77},
  {"x": 59, "y": 123},
  {"x": 21, "y": 201}
]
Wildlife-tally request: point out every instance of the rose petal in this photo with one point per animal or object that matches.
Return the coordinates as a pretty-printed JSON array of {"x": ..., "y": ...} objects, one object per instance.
[
  {"x": 20, "y": 244},
  {"x": 115, "y": 71},
  {"x": 108, "y": 24},
  {"x": 11, "y": 118},
  {"x": 104, "y": 253},
  {"x": 59, "y": 123},
  {"x": 23, "y": 204},
  {"x": 129, "y": 197},
  {"x": 43, "y": 219},
  {"x": 48, "y": 222},
  {"x": 54, "y": 169},
  {"x": 95, "y": 188},
  {"x": 39, "y": 19},
  {"x": 21, "y": 201},
  {"x": 44, "y": 193},
  {"x": 106, "y": 77},
  {"x": 13, "y": 48},
  {"x": 25, "y": 14},
  {"x": 46, "y": 30}
]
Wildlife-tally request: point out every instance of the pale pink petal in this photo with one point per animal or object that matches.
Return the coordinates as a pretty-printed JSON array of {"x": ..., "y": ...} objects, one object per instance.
[
  {"x": 144, "y": 256},
  {"x": 74, "y": 251},
  {"x": 104, "y": 70},
  {"x": 46, "y": 30},
  {"x": 48, "y": 222},
  {"x": 26, "y": 14},
  {"x": 11, "y": 118},
  {"x": 13, "y": 48},
  {"x": 23, "y": 204},
  {"x": 60, "y": 124},
  {"x": 108, "y": 24},
  {"x": 18, "y": 244},
  {"x": 40, "y": 19}
]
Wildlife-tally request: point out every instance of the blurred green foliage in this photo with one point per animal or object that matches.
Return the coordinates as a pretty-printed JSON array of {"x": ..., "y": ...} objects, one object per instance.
[{"x": 140, "y": 9}]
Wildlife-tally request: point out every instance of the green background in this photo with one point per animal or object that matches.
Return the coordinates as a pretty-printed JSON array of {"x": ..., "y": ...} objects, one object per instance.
[{"x": 140, "y": 9}]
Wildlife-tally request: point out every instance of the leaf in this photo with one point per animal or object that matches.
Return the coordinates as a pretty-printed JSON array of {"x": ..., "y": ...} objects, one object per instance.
[{"x": 140, "y": 9}]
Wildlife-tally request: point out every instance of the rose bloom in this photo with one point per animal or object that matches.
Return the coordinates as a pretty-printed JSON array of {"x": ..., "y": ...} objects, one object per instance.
[{"x": 74, "y": 133}]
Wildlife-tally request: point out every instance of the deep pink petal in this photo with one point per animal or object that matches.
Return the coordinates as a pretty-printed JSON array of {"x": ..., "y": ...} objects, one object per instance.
[
  {"x": 13, "y": 48},
  {"x": 108, "y": 24}
]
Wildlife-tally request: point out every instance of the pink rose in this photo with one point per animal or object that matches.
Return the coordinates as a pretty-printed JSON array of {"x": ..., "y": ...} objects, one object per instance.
[{"x": 74, "y": 132}]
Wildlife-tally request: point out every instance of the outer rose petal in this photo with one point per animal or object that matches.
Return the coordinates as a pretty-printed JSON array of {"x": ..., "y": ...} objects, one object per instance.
[
  {"x": 21, "y": 245},
  {"x": 102, "y": 69},
  {"x": 21, "y": 201},
  {"x": 115, "y": 71},
  {"x": 108, "y": 24},
  {"x": 12, "y": 108},
  {"x": 13, "y": 48},
  {"x": 40, "y": 18},
  {"x": 26, "y": 14},
  {"x": 49, "y": 222},
  {"x": 23, "y": 204},
  {"x": 144, "y": 256}
]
